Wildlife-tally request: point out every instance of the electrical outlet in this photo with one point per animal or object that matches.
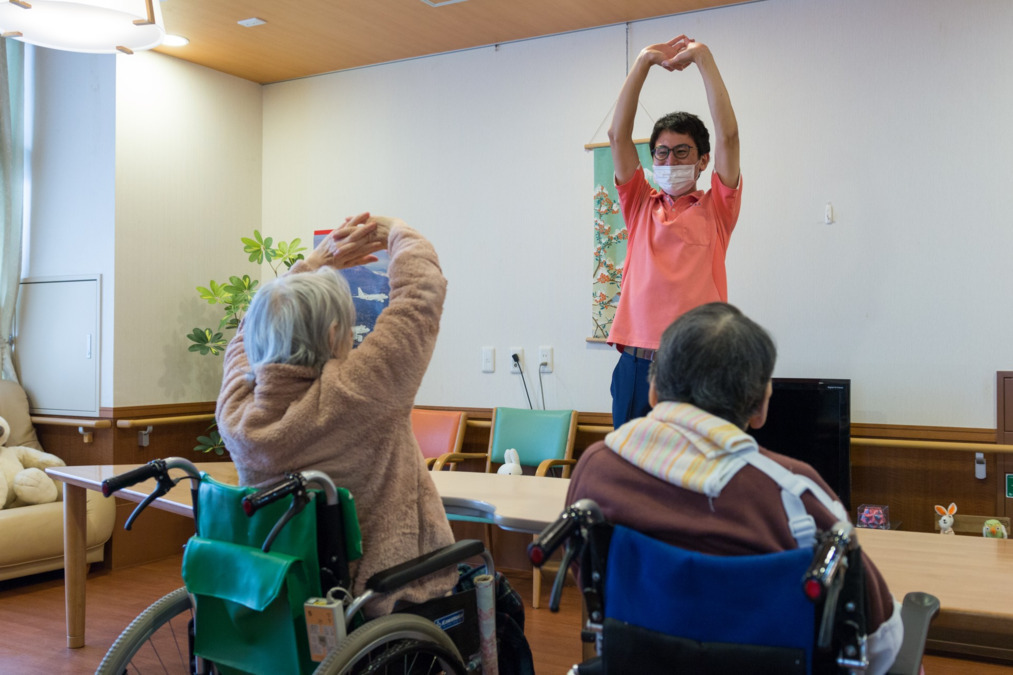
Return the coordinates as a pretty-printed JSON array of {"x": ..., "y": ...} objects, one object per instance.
[
  {"x": 488, "y": 359},
  {"x": 515, "y": 366},
  {"x": 545, "y": 359}
]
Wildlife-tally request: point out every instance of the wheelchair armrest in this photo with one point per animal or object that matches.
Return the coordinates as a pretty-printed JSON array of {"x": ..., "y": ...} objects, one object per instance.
[
  {"x": 395, "y": 577},
  {"x": 917, "y": 612}
]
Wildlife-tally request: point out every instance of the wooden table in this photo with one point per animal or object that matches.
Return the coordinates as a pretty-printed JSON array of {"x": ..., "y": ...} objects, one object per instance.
[
  {"x": 520, "y": 503},
  {"x": 971, "y": 576}
]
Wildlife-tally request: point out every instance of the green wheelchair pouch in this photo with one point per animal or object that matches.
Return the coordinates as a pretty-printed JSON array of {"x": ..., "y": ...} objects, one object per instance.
[{"x": 249, "y": 604}]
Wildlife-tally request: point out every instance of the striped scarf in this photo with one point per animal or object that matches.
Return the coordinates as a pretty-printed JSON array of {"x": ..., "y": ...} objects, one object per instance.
[{"x": 685, "y": 446}]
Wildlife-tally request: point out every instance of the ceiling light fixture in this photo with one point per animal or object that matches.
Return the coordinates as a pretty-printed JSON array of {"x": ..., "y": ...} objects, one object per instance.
[
  {"x": 251, "y": 22},
  {"x": 94, "y": 26},
  {"x": 441, "y": 3},
  {"x": 175, "y": 41}
]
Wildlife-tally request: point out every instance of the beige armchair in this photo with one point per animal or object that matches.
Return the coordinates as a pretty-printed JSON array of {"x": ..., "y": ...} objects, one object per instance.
[{"x": 35, "y": 533}]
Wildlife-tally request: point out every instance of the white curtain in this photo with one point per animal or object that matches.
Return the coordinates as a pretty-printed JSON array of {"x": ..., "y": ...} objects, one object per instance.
[{"x": 11, "y": 192}]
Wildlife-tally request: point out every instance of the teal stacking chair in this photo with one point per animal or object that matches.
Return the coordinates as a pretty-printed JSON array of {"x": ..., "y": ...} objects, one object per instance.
[{"x": 543, "y": 440}]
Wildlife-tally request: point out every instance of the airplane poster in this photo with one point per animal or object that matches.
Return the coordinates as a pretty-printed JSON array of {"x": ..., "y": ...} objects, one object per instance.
[{"x": 370, "y": 286}]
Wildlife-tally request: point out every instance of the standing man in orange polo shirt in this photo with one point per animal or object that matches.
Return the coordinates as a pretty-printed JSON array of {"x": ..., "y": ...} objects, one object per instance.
[{"x": 675, "y": 255}]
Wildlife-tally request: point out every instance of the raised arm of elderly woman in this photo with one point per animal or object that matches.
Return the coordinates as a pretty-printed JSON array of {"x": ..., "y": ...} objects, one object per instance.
[{"x": 296, "y": 396}]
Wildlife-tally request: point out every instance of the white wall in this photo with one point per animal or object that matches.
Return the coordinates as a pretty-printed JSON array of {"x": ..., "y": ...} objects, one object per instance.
[
  {"x": 70, "y": 204},
  {"x": 188, "y": 167},
  {"x": 483, "y": 152},
  {"x": 149, "y": 170},
  {"x": 891, "y": 111}
]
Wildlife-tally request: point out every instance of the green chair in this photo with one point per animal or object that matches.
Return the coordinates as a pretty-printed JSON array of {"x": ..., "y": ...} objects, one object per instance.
[{"x": 543, "y": 440}]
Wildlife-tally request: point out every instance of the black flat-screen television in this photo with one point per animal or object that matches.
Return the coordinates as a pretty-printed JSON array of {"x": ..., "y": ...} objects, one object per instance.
[{"x": 810, "y": 420}]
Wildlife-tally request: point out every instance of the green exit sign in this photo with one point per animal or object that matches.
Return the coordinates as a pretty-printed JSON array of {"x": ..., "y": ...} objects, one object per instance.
[{"x": 1009, "y": 486}]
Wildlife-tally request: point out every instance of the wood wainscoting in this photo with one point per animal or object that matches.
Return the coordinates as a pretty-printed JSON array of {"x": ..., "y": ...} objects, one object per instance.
[
  {"x": 156, "y": 534},
  {"x": 911, "y": 481}
]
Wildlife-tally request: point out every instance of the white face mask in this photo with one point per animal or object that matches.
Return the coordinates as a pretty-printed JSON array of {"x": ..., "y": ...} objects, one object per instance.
[{"x": 675, "y": 179}]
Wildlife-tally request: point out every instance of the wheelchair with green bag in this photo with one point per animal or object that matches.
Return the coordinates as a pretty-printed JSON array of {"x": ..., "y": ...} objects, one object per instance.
[{"x": 266, "y": 589}]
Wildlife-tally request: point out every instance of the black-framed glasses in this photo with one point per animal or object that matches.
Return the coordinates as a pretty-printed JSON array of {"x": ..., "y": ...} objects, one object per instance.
[{"x": 661, "y": 152}]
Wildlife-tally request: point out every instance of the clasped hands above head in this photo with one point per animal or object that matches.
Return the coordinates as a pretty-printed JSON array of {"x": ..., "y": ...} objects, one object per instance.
[
  {"x": 355, "y": 241},
  {"x": 676, "y": 54}
]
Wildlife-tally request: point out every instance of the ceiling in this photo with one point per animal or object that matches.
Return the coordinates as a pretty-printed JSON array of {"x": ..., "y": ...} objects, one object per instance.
[{"x": 309, "y": 37}]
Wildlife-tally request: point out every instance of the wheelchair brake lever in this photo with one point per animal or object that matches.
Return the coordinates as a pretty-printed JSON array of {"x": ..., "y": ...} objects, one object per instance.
[
  {"x": 300, "y": 498},
  {"x": 557, "y": 585},
  {"x": 833, "y": 591},
  {"x": 165, "y": 483}
]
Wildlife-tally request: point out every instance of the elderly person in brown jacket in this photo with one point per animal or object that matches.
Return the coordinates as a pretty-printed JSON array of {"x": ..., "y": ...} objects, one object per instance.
[
  {"x": 296, "y": 396},
  {"x": 689, "y": 474}
]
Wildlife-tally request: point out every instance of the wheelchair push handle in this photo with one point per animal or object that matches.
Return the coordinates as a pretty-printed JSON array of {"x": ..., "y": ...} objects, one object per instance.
[
  {"x": 156, "y": 468},
  {"x": 297, "y": 485},
  {"x": 292, "y": 484},
  {"x": 581, "y": 513},
  {"x": 827, "y": 561},
  {"x": 159, "y": 470},
  {"x": 258, "y": 500},
  {"x": 132, "y": 477}
]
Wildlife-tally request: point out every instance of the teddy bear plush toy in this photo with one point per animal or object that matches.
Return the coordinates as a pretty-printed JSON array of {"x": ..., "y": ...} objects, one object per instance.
[{"x": 23, "y": 480}]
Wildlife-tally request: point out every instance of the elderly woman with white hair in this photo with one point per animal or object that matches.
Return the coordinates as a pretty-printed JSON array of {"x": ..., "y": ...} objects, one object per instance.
[{"x": 296, "y": 396}]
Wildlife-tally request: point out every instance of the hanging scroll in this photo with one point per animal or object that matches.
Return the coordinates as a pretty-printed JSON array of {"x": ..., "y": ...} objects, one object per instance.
[{"x": 610, "y": 238}]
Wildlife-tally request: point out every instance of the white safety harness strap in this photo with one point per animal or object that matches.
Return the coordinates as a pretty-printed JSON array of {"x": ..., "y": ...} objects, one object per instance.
[{"x": 803, "y": 525}]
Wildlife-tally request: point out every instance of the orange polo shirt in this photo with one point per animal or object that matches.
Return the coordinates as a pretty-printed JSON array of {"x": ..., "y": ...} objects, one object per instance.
[{"x": 675, "y": 256}]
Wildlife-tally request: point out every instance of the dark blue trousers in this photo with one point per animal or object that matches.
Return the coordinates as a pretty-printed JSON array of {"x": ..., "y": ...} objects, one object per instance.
[{"x": 629, "y": 389}]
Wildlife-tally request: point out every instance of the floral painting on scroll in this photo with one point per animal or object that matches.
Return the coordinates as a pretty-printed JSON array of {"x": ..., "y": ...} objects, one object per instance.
[{"x": 610, "y": 237}]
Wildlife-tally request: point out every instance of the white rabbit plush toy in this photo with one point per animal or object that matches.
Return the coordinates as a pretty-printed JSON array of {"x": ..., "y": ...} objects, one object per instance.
[
  {"x": 946, "y": 518},
  {"x": 512, "y": 466}
]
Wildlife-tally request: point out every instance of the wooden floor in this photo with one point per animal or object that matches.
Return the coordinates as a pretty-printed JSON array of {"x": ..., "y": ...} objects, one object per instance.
[{"x": 33, "y": 629}]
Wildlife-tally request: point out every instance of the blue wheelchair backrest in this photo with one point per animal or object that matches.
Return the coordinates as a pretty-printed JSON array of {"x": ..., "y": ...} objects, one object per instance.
[{"x": 747, "y": 600}]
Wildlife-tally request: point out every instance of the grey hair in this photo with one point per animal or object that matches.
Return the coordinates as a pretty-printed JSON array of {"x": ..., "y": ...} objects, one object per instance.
[
  {"x": 290, "y": 319},
  {"x": 717, "y": 359}
]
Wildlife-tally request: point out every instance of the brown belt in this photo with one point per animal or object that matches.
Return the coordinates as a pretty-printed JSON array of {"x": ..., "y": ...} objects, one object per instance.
[{"x": 641, "y": 353}]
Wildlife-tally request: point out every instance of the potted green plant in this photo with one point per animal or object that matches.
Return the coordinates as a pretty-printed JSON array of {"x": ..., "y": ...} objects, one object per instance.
[{"x": 235, "y": 296}]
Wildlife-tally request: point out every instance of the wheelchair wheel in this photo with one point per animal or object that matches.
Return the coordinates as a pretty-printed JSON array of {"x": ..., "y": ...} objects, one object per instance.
[
  {"x": 396, "y": 644},
  {"x": 158, "y": 640}
]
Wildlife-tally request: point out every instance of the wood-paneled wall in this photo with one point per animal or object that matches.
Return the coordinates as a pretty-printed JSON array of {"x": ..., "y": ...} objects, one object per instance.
[
  {"x": 912, "y": 481},
  {"x": 156, "y": 534}
]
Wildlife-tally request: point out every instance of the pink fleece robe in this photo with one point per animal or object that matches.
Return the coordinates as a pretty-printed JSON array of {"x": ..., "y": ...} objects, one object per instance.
[{"x": 352, "y": 421}]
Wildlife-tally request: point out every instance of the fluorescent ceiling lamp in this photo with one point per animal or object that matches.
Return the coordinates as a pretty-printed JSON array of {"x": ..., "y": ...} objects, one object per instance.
[
  {"x": 441, "y": 3},
  {"x": 95, "y": 26}
]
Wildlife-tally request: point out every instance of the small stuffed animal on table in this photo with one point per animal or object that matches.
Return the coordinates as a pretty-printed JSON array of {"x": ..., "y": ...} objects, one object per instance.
[
  {"x": 993, "y": 529},
  {"x": 512, "y": 467},
  {"x": 23, "y": 479},
  {"x": 946, "y": 518}
]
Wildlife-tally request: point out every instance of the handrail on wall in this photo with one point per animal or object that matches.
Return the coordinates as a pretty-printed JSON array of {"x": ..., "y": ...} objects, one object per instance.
[
  {"x": 951, "y": 446},
  {"x": 85, "y": 427},
  {"x": 979, "y": 449},
  {"x": 146, "y": 425},
  {"x": 162, "y": 421}
]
